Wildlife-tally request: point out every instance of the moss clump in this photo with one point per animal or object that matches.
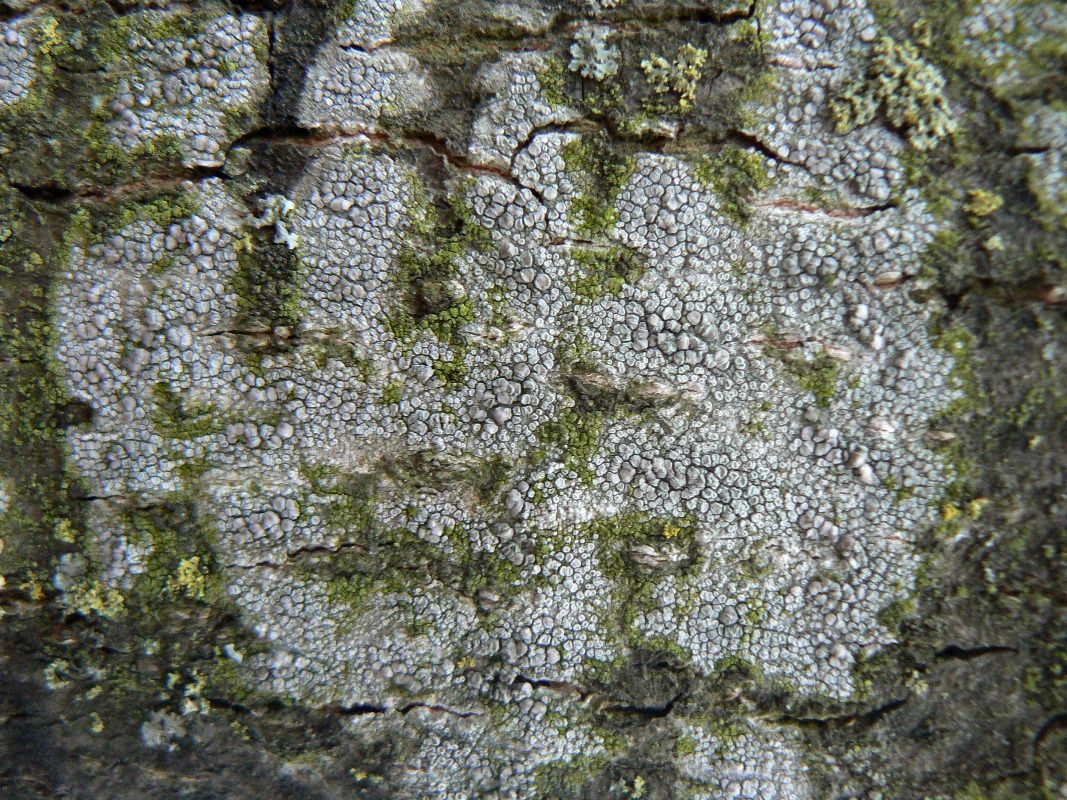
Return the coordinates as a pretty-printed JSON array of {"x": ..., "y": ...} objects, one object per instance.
[
  {"x": 684, "y": 746},
  {"x": 755, "y": 424},
  {"x": 432, "y": 299},
  {"x": 576, "y": 436},
  {"x": 380, "y": 558},
  {"x": 896, "y": 612},
  {"x": 118, "y": 38},
  {"x": 605, "y": 272},
  {"x": 446, "y": 323},
  {"x": 635, "y": 585},
  {"x": 177, "y": 418},
  {"x": 87, "y": 228},
  {"x": 637, "y": 528},
  {"x": 182, "y": 562},
  {"x": 819, "y": 376},
  {"x": 393, "y": 392},
  {"x": 35, "y": 410},
  {"x": 735, "y": 175},
  {"x": 909, "y": 91},
  {"x": 553, "y": 80},
  {"x": 162, "y": 150},
  {"x": 679, "y": 77},
  {"x": 944, "y": 253},
  {"x": 268, "y": 283},
  {"x": 567, "y": 777},
  {"x": 599, "y": 172},
  {"x": 349, "y": 354}
]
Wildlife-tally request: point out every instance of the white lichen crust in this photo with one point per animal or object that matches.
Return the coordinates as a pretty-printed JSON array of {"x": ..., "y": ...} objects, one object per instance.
[
  {"x": 187, "y": 86},
  {"x": 358, "y": 77},
  {"x": 18, "y": 68},
  {"x": 750, "y": 491}
]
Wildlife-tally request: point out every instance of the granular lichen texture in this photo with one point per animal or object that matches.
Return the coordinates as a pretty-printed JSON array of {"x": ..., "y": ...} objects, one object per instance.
[{"x": 421, "y": 399}]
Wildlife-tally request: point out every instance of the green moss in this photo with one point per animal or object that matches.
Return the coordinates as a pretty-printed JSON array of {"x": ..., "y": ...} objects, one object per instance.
[
  {"x": 944, "y": 252},
  {"x": 453, "y": 371},
  {"x": 426, "y": 273},
  {"x": 182, "y": 565},
  {"x": 446, "y": 323},
  {"x": 116, "y": 41},
  {"x": 599, "y": 172},
  {"x": 735, "y": 665},
  {"x": 604, "y": 271},
  {"x": 819, "y": 376},
  {"x": 268, "y": 283},
  {"x": 576, "y": 437},
  {"x": 34, "y": 407},
  {"x": 87, "y": 227},
  {"x": 102, "y": 150},
  {"x": 663, "y": 646},
  {"x": 638, "y": 528},
  {"x": 635, "y": 585},
  {"x": 735, "y": 175},
  {"x": 176, "y": 418},
  {"x": 553, "y": 80},
  {"x": 684, "y": 746},
  {"x": 349, "y": 354},
  {"x": 896, "y": 612},
  {"x": 386, "y": 558},
  {"x": 393, "y": 391},
  {"x": 566, "y": 777},
  {"x": 1043, "y": 397}
]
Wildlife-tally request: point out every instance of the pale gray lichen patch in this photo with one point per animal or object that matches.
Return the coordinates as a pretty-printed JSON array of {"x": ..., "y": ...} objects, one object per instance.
[
  {"x": 742, "y": 760},
  {"x": 491, "y": 451},
  {"x": 815, "y": 48},
  {"x": 515, "y": 106},
  {"x": 592, "y": 54},
  {"x": 186, "y": 85},
  {"x": 370, "y": 23},
  {"x": 18, "y": 68},
  {"x": 358, "y": 79}
]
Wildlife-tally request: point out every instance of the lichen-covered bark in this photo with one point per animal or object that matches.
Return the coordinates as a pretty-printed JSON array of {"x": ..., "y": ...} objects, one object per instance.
[{"x": 605, "y": 398}]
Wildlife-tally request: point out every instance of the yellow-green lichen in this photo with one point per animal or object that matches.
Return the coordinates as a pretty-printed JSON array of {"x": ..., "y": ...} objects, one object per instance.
[
  {"x": 679, "y": 78},
  {"x": 982, "y": 202},
  {"x": 909, "y": 91}
]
